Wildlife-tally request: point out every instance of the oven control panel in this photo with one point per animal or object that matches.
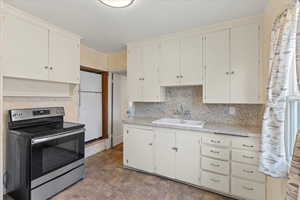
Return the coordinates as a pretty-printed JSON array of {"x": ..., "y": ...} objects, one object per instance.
[{"x": 33, "y": 113}]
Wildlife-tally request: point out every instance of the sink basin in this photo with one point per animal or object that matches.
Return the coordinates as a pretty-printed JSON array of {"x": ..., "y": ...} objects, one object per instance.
[{"x": 179, "y": 122}]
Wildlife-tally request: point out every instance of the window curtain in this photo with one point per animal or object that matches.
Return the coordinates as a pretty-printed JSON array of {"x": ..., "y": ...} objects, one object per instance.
[
  {"x": 293, "y": 186},
  {"x": 273, "y": 160}
]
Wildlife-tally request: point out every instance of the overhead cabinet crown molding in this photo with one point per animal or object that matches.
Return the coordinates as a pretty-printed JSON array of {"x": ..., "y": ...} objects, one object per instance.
[{"x": 37, "y": 50}]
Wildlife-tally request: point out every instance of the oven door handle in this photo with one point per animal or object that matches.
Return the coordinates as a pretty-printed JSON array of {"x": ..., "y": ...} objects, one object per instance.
[{"x": 57, "y": 136}]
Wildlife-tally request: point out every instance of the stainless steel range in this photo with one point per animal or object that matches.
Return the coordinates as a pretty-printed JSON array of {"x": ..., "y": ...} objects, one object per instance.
[{"x": 45, "y": 154}]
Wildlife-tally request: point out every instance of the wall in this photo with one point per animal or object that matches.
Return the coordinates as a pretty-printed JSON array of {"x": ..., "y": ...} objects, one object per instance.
[
  {"x": 191, "y": 99},
  {"x": 91, "y": 58},
  {"x": 117, "y": 60}
]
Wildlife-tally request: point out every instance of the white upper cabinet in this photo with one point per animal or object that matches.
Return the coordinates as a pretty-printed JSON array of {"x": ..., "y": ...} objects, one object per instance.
[
  {"x": 135, "y": 74},
  {"x": 37, "y": 50},
  {"x": 170, "y": 73},
  {"x": 64, "y": 58},
  {"x": 191, "y": 58},
  {"x": 232, "y": 65},
  {"x": 181, "y": 61},
  {"x": 26, "y": 49},
  {"x": 143, "y": 75},
  {"x": 150, "y": 59},
  {"x": 225, "y": 59},
  {"x": 217, "y": 67},
  {"x": 245, "y": 54}
]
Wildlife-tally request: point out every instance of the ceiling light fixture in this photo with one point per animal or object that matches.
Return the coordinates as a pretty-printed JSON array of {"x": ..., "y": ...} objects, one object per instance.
[{"x": 117, "y": 3}]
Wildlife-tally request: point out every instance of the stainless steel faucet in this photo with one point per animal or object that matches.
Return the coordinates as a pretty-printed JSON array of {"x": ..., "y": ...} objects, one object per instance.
[{"x": 184, "y": 114}]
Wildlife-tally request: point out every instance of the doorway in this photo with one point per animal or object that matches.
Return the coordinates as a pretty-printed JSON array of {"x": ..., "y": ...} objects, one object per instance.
[{"x": 120, "y": 106}]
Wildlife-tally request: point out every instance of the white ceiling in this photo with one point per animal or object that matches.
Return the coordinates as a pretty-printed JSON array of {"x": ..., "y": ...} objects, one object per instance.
[{"x": 109, "y": 29}]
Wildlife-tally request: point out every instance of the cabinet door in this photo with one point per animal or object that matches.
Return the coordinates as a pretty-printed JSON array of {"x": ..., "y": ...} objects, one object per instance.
[
  {"x": 217, "y": 78},
  {"x": 64, "y": 58},
  {"x": 191, "y": 55},
  {"x": 245, "y": 64},
  {"x": 26, "y": 49},
  {"x": 134, "y": 75},
  {"x": 165, "y": 153},
  {"x": 151, "y": 87},
  {"x": 138, "y": 149},
  {"x": 169, "y": 68},
  {"x": 188, "y": 157}
]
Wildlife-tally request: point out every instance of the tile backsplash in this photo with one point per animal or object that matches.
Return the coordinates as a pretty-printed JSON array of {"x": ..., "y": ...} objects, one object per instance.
[{"x": 191, "y": 100}]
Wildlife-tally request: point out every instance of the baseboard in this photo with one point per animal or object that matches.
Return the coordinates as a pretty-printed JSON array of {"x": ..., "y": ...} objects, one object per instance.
[
  {"x": 96, "y": 148},
  {"x": 118, "y": 140}
]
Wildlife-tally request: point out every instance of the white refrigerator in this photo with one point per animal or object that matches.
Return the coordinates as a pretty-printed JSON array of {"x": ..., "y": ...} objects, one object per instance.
[{"x": 90, "y": 104}]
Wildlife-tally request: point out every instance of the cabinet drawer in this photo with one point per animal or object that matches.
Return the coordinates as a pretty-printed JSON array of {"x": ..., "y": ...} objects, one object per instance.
[
  {"x": 245, "y": 157},
  {"x": 247, "y": 171},
  {"x": 217, "y": 140},
  {"x": 214, "y": 152},
  {"x": 250, "y": 144},
  {"x": 213, "y": 165},
  {"x": 215, "y": 181},
  {"x": 247, "y": 189}
]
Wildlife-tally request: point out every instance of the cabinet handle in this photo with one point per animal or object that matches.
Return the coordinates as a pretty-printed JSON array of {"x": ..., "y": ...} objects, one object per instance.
[
  {"x": 51, "y": 68},
  {"x": 248, "y": 157},
  {"x": 216, "y": 152},
  {"x": 177, "y": 76},
  {"x": 232, "y": 72},
  {"x": 181, "y": 76},
  {"x": 214, "y": 165},
  {"x": 150, "y": 144},
  {"x": 248, "y": 188},
  {"x": 248, "y": 171},
  {"x": 175, "y": 149},
  {"x": 248, "y": 146},
  {"x": 227, "y": 73},
  {"x": 215, "y": 141},
  {"x": 214, "y": 180},
  {"x": 46, "y": 67}
]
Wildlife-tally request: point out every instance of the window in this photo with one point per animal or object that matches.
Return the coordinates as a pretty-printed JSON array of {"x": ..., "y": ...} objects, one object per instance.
[{"x": 293, "y": 113}]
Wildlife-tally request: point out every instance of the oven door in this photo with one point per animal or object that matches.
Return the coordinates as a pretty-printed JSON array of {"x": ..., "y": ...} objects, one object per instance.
[{"x": 51, "y": 153}]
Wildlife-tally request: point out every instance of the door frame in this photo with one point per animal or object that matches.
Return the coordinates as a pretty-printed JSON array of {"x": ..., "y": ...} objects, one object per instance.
[{"x": 105, "y": 101}]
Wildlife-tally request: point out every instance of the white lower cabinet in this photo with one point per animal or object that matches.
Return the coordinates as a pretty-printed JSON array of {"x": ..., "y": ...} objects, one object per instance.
[
  {"x": 138, "y": 148},
  {"x": 165, "y": 152},
  {"x": 247, "y": 189},
  {"x": 215, "y": 181},
  {"x": 171, "y": 150},
  {"x": 187, "y": 157},
  {"x": 224, "y": 164}
]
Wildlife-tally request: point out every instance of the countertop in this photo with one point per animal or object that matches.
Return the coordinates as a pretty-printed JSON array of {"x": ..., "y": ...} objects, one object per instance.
[{"x": 227, "y": 129}]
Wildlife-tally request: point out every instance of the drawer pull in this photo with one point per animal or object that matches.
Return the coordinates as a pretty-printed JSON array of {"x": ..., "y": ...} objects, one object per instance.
[
  {"x": 214, "y": 165},
  {"x": 248, "y": 188},
  {"x": 150, "y": 144},
  {"x": 248, "y": 157},
  {"x": 248, "y": 146},
  {"x": 215, "y": 141},
  {"x": 215, "y": 180},
  {"x": 216, "y": 152},
  {"x": 175, "y": 149},
  {"x": 248, "y": 171}
]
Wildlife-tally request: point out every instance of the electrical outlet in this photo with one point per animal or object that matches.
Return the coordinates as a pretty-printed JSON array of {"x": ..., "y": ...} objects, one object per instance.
[{"x": 232, "y": 110}]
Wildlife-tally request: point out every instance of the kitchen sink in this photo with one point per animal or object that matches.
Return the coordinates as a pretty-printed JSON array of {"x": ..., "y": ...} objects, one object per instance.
[{"x": 180, "y": 122}]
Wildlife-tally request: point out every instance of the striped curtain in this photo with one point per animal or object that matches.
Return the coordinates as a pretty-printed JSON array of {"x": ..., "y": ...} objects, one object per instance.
[
  {"x": 273, "y": 161},
  {"x": 293, "y": 190}
]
